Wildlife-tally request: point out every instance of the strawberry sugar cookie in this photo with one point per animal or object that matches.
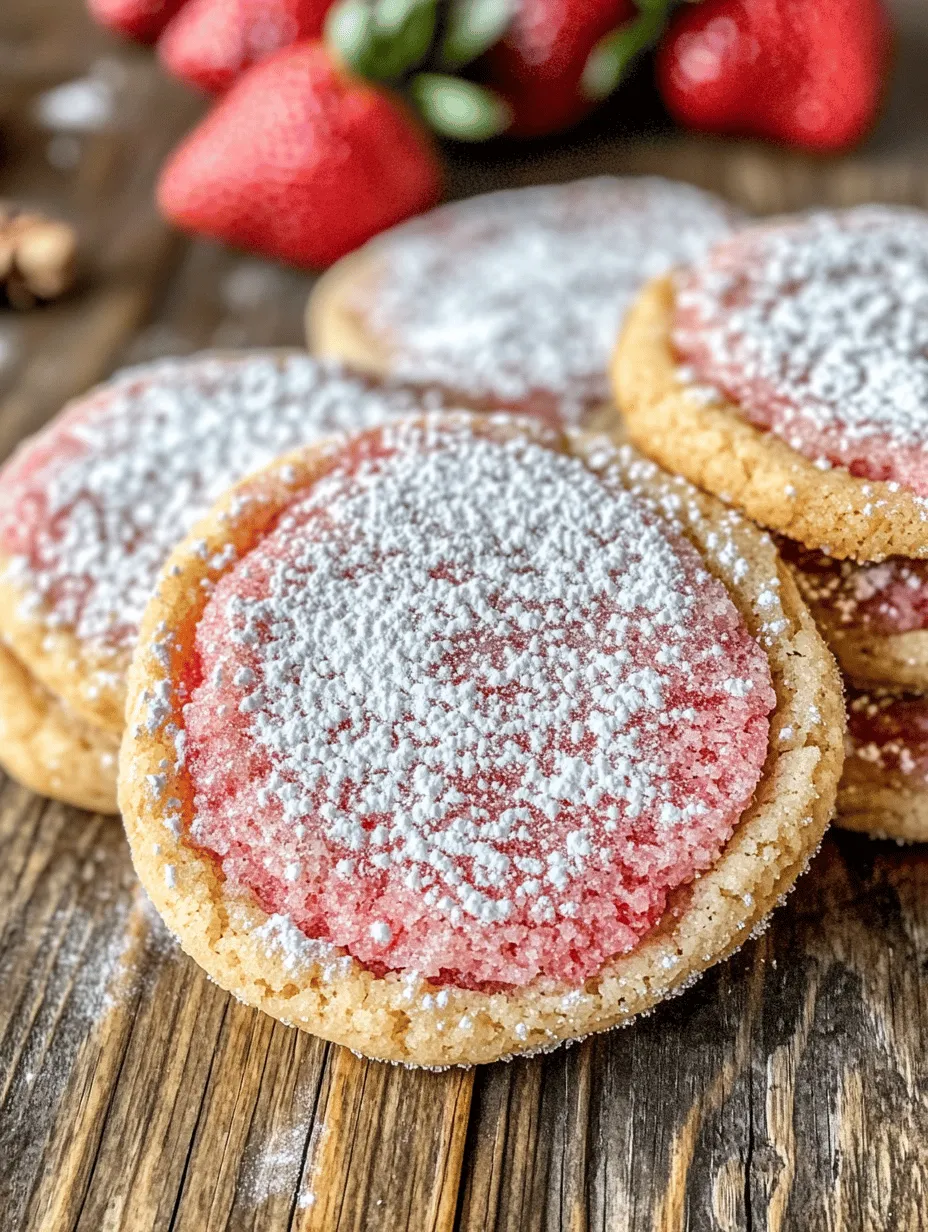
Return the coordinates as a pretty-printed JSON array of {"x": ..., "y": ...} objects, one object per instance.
[
  {"x": 48, "y": 748},
  {"x": 873, "y": 615},
  {"x": 788, "y": 373},
  {"x": 513, "y": 297},
  {"x": 884, "y": 787},
  {"x": 460, "y": 738},
  {"x": 91, "y": 507}
]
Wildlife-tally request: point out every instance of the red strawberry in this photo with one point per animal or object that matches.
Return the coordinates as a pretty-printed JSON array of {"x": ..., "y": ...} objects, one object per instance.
[
  {"x": 301, "y": 161},
  {"x": 137, "y": 19},
  {"x": 211, "y": 42},
  {"x": 538, "y": 64},
  {"x": 807, "y": 74}
]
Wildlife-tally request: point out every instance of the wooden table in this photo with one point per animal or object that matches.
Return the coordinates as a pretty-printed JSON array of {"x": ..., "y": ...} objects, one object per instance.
[{"x": 788, "y": 1090}]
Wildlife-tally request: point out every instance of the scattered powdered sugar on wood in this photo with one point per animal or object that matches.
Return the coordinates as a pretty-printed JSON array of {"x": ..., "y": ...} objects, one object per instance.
[
  {"x": 818, "y": 329},
  {"x": 276, "y": 1166},
  {"x": 521, "y": 293},
  {"x": 471, "y": 711},
  {"x": 92, "y": 506},
  {"x": 86, "y": 104},
  {"x": 94, "y": 953}
]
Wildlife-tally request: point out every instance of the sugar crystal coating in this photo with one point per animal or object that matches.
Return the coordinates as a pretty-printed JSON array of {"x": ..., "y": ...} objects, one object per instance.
[
  {"x": 519, "y": 295},
  {"x": 91, "y": 507},
  {"x": 817, "y": 328},
  {"x": 471, "y": 711}
]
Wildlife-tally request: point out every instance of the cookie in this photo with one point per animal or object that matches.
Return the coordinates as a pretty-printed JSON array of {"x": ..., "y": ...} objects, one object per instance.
[
  {"x": 513, "y": 298},
  {"x": 788, "y": 373},
  {"x": 48, "y": 748},
  {"x": 884, "y": 788},
  {"x": 460, "y": 738},
  {"x": 873, "y": 616},
  {"x": 91, "y": 506}
]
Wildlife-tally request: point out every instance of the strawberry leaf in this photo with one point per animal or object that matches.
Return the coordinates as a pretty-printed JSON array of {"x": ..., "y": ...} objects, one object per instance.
[
  {"x": 471, "y": 28},
  {"x": 403, "y": 35},
  {"x": 349, "y": 31},
  {"x": 457, "y": 108},
  {"x": 392, "y": 15},
  {"x": 382, "y": 41},
  {"x": 609, "y": 60}
]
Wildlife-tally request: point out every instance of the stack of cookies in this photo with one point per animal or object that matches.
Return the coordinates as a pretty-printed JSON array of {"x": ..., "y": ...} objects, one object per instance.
[
  {"x": 91, "y": 508},
  {"x": 455, "y": 727},
  {"x": 787, "y": 372}
]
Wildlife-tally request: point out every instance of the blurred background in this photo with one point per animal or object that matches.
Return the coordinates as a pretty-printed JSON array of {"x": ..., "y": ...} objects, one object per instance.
[{"x": 88, "y": 118}]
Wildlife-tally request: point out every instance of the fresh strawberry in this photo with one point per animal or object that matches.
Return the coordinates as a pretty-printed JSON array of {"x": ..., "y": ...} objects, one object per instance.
[
  {"x": 301, "y": 161},
  {"x": 136, "y": 19},
  {"x": 538, "y": 64},
  {"x": 807, "y": 74},
  {"x": 211, "y": 42}
]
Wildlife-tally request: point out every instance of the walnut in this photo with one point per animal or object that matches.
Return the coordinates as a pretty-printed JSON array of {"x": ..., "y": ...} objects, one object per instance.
[{"x": 38, "y": 256}]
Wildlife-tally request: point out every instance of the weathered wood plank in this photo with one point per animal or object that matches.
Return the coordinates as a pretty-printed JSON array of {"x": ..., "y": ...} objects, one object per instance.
[
  {"x": 217, "y": 298},
  {"x": 61, "y": 944},
  {"x": 386, "y": 1150},
  {"x": 250, "y": 1143},
  {"x": 788, "y": 1091}
]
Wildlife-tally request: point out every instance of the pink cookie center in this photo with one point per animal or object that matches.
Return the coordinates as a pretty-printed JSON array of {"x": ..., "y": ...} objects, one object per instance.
[
  {"x": 890, "y": 733},
  {"x": 519, "y": 296},
  {"x": 818, "y": 330},
  {"x": 470, "y": 711}
]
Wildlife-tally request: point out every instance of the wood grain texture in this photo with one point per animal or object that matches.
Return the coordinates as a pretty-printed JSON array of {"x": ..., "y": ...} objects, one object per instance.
[{"x": 788, "y": 1091}]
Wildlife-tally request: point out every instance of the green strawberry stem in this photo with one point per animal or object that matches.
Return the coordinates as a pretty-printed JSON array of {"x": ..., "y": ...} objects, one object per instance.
[
  {"x": 403, "y": 31},
  {"x": 348, "y": 32}
]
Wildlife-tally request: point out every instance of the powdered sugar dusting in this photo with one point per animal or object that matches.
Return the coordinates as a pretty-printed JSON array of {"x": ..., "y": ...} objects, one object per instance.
[
  {"x": 297, "y": 952},
  {"x": 92, "y": 506},
  {"x": 471, "y": 711},
  {"x": 520, "y": 294},
  {"x": 818, "y": 329}
]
